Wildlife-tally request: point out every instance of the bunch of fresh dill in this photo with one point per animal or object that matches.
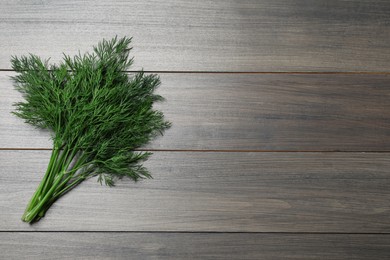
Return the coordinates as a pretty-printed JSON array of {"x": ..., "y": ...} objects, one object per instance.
[{"x": 97, "y": 114}]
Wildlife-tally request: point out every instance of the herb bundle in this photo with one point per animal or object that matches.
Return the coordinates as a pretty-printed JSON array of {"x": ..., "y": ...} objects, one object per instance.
[{"x": 97, "y": 114}]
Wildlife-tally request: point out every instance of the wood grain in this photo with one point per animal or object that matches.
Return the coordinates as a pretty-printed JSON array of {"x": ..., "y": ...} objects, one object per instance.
[
  {"x": 36, "y": 245},
  {"x": 266, "y": 35},
  {"x": 198, "y": 191},
  {"x": 260, "y": 185},
  {"x": 251, "y": 112}
]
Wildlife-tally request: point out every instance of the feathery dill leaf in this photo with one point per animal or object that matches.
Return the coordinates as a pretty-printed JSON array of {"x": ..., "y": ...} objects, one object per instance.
[{"x": 97, "y": 115}]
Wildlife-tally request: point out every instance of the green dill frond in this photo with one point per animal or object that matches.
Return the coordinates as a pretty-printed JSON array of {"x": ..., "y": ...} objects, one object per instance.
[{"x": 96, "y": 112}]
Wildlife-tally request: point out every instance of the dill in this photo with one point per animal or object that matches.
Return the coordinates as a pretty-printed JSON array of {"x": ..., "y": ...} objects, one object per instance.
[{"x": 97, "y": 115}]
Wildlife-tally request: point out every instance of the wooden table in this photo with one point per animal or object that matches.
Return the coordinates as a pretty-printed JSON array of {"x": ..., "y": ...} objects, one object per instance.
[{"x": 280, "y": 140}]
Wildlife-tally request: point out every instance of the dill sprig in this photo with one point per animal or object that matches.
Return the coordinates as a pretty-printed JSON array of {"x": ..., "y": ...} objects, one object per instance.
[{"x": 97, "y": 114}]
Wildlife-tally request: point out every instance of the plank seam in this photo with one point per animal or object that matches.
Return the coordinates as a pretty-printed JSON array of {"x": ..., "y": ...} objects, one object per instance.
[
  {"x": 194, "y": 232},
  {"x": 252, "y": 72},
  {"x": 220, "y": 151}
]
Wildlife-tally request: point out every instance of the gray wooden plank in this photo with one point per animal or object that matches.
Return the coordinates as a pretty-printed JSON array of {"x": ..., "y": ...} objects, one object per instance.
[
  {"x": 266, "y": 35},
  {"x": 37, "y": 245},
  {"x": 251, "y": 112},
  {"x": 209, "y": 191}
]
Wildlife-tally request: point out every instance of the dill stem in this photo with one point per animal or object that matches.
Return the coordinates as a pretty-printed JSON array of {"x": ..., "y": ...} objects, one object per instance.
[
  {"x": 54, "y": 170},
  {"x": 37, "y": 195},
  {"x": 65, "y": 186},
  {"x": 54, "y": 181},
  {"x": 32, "y": 214}
]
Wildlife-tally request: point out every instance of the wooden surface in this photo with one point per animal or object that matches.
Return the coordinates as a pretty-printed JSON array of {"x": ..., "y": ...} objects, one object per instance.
[
  {"x": 252, "y": 112},
  {"x": 111, "y": 245},
  {"x": 215, "y": 192},
  {"x": 207, "y": 35},
  {"x": 288, "y": 160}
]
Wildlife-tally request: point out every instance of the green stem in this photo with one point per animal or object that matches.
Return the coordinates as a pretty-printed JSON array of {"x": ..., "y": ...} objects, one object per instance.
[
  {"x": 54, "y": 170},
  {"x": 37, "y": 195},
  {"x": 56, "y": 181},
  {"x": 60, "y": 193},
  {"x": 32, "y": 214},
  {"x": 64, "y": 187},
  {"x": 83, "y": 176}
]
